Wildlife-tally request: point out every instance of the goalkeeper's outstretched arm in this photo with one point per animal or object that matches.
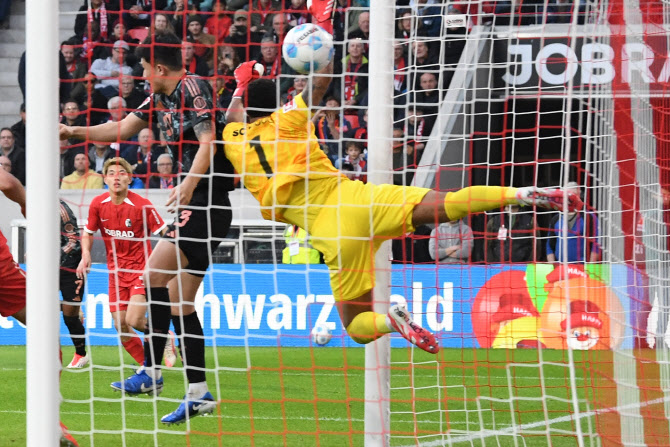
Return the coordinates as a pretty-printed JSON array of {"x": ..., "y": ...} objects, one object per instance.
[
  {"x": 107, "y": 132},
  {"x": 13, "y": 189},
  {"x": 317, "y": 87}
]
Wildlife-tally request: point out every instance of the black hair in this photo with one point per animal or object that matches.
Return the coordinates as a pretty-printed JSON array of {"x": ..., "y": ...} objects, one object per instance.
[
  {"x": 23, "y": 107},
  {"x": 261, "y": 98},
  {"x": 6, "y": 128},
  {"x": 358, "y": 143},
  {"x": 164, "y": 48}
]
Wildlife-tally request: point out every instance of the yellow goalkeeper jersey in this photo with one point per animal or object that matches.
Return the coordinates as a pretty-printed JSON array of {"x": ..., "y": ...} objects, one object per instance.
[{"x": 275, "y": 152}]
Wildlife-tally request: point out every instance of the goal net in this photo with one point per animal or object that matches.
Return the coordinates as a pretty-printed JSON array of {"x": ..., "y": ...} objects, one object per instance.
[{"x": 554, "y": 328}]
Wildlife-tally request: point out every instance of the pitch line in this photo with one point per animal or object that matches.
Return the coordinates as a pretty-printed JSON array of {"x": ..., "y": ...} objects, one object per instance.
[{"x": 512, "y": 430}]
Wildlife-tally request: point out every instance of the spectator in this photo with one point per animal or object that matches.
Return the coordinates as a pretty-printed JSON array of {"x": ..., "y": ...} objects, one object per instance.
[
  {"x": 166, "y": 177},
  {"x": 82, "y": 177},
  {"x": 355, "y": 67},
  {"x": 355, "y": 8},
  {"x": 163, "y": 23},
  {"x": 139, "y": 11},
  {"x": 269, "y": 58},
  {"x": 297, "y": 13},
  {"x": 353, "y": 164},
  {"x": 74, "y": 67},
  {"x": 430, "y": 16},
  {"x": 279, "y": 28},
  {"x": 428, "y": 99},
  {"x": 261, "y": 12},
  {"x": 582, "y": 236},
  {"x": 401, "y": 158},
  {"x": 119, "y": 32},
  {"x": 71, "y": 115},
  {"x": 64, "y": 87},
  {"x": 101, "y": 12},
  {"x": 68, "y": 152},
  {"x": 416, "y": 124},
  {"x": 16, "y": 154},
  {"x": 108, "y": 70},
  {"x": 510, "y": 236},
  {"x": 400, "y": 70},
  {"x": 363, "y": 31},
  {"x": 178, "y": 11},
  {"x": 422, "y": 61},
  {"x": 451, "y": 243},
  {"x": 143, "y": 156},
  {"x": 19, "y": 128},
  {"x": 203, "y": 43},
  {"x": 218, "y": 24},
  {"x": 298, "y": 250},
  {"x": 6, "y": 163},
  {"x": 238, "y": 37},
  {"x": 408, "y": 26},
  {"x": 99, "y": 154},
  {"x": 131, "y": 96},
  {"x": 329, "y": 123},
  {"x": 117, "y": 108},
  {"x": 299, "y": 84},
  {"x": 225, "y": 79},
  {"x": 193, "y": 63},
  {"x": 93, "y": 45}
]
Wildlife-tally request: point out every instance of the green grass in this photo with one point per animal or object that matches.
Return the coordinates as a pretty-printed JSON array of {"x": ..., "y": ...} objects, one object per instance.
[{"x": 304, "y": 397}]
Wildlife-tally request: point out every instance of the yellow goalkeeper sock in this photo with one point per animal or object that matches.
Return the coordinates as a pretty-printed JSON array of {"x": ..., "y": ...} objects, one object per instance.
[
  {"x": 367, "y": 327},
  {"x": 476, "y": 199}
]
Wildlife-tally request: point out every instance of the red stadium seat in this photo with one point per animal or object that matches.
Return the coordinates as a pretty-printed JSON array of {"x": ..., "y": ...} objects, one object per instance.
[
  {"x": 139, "y": 33},
  {"x": 353, "y": 119}
]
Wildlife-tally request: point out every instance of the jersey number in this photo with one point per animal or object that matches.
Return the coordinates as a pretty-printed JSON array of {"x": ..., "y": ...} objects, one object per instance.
[
  {"x": 258, "y": 147},
  {"x": 184, "y": 217}
]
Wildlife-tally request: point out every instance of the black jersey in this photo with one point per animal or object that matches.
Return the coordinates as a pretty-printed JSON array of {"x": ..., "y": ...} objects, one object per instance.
[
  {"x": 176, "y": 114},
  {"x": 70, "y": 245}
]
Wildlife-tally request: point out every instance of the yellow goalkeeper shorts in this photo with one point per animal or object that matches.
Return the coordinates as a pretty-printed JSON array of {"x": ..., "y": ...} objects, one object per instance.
[{"x": 355, "y": 220}]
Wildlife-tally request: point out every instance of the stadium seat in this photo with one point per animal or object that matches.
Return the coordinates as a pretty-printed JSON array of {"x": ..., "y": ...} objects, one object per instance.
[{"x": 140, "y": 33}]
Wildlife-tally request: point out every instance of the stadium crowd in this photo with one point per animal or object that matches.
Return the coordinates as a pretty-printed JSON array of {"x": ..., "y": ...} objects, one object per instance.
[{"x": 101, "y": 76}]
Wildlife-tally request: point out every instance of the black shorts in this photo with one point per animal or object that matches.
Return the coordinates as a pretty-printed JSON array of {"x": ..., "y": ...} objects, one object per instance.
[
  {"x": 71, "y": 287},
  {"x": 198, "y": 232}
]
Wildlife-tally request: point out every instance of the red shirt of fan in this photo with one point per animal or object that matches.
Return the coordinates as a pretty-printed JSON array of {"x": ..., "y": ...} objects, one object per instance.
[{"x": 125, "y": 229}]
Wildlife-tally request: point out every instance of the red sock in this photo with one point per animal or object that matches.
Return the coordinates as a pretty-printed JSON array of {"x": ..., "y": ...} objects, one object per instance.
[{"x": 135, "y": 349}]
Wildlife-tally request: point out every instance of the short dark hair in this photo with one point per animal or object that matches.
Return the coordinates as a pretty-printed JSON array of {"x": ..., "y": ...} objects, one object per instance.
[
  {"x": 358, "y": 143},
  {"x": 8, "y": 129},
  {"x": 164, "y": 47},
  {"x": 23, "y": 107},
  {"x": 261, "y": 98}
]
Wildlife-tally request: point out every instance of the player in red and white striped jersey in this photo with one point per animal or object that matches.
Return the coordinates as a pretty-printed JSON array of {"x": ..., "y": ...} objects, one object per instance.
[{"x": 125, "y": 220}]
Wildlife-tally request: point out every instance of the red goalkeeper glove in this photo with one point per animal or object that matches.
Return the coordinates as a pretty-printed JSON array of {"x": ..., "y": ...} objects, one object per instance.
[
  {"x": 244, "y": 74},
  {"x": 323, "y": 12}
]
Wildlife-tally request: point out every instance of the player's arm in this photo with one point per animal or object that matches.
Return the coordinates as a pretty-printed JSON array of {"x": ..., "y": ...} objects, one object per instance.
[
  {"x": 85, "y": 263},
  {"x": 107, "y": 132},
  {"x": 317, "y": 86},
  {"x": 182, "y": 194},
  {"x": 13, "y": 189}
]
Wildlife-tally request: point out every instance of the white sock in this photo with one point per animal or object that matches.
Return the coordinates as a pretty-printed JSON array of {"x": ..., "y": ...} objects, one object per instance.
[
  {"x": 197, "y": 390},
  {"x": 153, "y": 372}
]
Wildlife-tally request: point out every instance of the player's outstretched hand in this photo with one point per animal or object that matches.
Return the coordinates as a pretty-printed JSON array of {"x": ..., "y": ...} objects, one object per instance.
[
  {"x": 179, "y": 196},
  {"x": 64, "y": 132},
  {"x": 323, "y": 12},
  {"x": 84, "y": 267},
  {"x": 247, "y": 72}
]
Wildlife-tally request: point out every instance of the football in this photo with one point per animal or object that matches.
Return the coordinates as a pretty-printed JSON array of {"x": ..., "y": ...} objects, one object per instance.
[
  {"x": 308, "y": 48},
  {"x": 321, "y": 335}
]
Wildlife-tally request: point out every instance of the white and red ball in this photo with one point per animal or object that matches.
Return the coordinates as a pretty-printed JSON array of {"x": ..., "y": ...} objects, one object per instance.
[{"x": 308, "y": 48}]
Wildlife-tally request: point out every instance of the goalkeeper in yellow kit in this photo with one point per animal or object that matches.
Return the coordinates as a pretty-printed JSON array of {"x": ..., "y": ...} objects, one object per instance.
[{"x": 277, "y": 154}]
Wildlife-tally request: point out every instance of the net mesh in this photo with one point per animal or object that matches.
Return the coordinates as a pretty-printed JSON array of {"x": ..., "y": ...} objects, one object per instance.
[{"x": 485, "y": 93}]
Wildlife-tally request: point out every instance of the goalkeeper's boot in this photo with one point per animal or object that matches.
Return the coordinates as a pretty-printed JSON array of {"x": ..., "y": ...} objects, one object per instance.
[
  {"x": 549, "y": 198},
  {"x": 401, "y": 321},
  {"x": 78, "y": 362},
  {"x": 139, "y": 383},
  {"x": 190, "y": 408},
  {"x": 66, "y": 439},
  {"x": 170, "y": 352},
  {"x": 323, "y": 12}
]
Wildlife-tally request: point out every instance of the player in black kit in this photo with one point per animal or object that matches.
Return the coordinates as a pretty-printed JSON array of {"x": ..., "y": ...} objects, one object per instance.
[
  {"x": 181, "y": 105},
  {"x": 71, "y": 287}
]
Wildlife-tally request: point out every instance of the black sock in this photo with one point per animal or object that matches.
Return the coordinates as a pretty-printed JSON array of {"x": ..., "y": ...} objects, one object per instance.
[
  {"x": 193, "y": 348},
  {"x": 176, "y": 322},
  {"x": 158, "y": 322},
  {"x": 77, "y": 334}
]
